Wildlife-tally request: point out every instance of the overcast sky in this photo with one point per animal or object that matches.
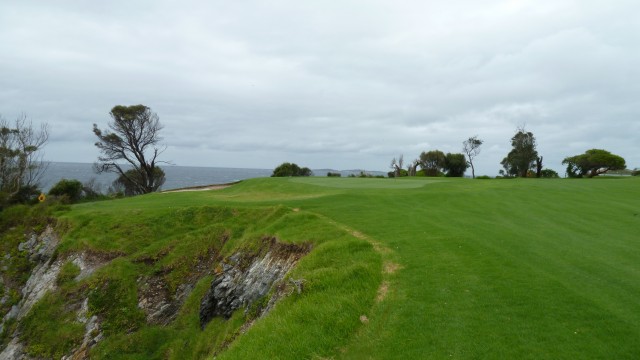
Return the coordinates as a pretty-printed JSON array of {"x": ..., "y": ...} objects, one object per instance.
[{"x": 333, "y": 84}]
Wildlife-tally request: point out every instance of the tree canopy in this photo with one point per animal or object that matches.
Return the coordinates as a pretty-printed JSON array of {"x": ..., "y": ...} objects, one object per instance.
[
  {"x": 432, "y": 162},
  {"x": 133, "y": 137},
  {"x": 290, "y": 169},
  {"x": 593, "y": 163},
  {"x": 523, "y": 154},
  {"x": 455, "y": 165}
]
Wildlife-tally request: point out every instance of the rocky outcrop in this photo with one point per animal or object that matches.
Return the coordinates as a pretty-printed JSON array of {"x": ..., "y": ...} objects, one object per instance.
[
  {"x": 41, "y": 250},
  {"x": 43, "y": 278},
  {"x": 242, "y": 280},
  {"x": 154, "y": 298},
  {"x": 252, "y": 280},
  {"x": 160, "y": 304},
  {"x": 92, "y": 333}
]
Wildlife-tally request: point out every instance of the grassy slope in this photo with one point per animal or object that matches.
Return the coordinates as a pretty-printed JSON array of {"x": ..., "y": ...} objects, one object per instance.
[
  {"x": 487, "y": 269},
  {"x": 168, "y": 235}
]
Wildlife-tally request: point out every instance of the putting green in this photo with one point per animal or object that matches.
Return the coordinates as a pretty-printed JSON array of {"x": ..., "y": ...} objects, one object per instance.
[{"x": 364, "y": 183}]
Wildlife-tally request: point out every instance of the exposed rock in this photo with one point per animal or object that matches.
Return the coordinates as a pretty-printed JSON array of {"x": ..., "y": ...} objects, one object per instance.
[
  {"x": 92, "y": 335},
  {"x": 88, "y": 263},
  {"x": 160, "y": 305},
  {"x": 43, "y": 278},
  {"x": 13, "y": 351},
  {"x": 240, "y": 285},
  {"x": 40, "y": 247},
  {"x": 155, "y": 300}
]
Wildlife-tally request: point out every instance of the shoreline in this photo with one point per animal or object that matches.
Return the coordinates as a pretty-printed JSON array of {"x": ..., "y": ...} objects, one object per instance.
[{"x": 202, "y": 187}]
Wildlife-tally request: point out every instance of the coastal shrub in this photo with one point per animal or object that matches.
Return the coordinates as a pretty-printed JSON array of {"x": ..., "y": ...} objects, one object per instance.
[
  {"x": 483, "y": 177},
  {"x": 291, "y": 169},
  {"x": 27, "y": 194},
  {"x": 548, "y": 173},
  {"x": 71, "y": 189},
  {"x": 332, "y": 174}
]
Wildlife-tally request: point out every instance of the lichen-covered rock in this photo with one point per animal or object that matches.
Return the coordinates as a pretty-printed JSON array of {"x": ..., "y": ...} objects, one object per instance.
[
  {"x": 40, "y": 247},
  {"x": 241, "y": 285},
  {"x": 14, "y": 351}
]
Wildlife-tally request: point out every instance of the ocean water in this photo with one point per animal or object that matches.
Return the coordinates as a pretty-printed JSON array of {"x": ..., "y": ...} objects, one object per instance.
[{"x": 177, "y": 176}]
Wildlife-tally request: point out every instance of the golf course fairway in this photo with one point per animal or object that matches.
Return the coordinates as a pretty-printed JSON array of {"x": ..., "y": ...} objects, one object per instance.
[{"x": 411, "y": 268}]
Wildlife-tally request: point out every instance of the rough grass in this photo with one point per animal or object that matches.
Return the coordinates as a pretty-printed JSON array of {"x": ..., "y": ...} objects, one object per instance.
[
  {"x": 181, "y": 240},
  {"x": 400, "y": 268}
]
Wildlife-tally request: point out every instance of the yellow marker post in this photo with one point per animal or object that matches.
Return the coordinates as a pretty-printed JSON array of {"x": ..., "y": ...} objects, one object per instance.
[{"x": 42, "y": 198}]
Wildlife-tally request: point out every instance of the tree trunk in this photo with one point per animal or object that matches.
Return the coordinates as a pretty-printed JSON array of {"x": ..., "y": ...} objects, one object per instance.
[{"x": 539, "y": 167}]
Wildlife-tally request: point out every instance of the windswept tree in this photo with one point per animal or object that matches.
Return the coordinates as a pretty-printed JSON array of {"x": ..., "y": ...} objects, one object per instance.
[
  {"x": 523, "y": 154},
  {"x": 471, "y": 148},
  {"x": 455, "y": 165},
  {"x": 433, "y": 162},
  {"x": 396, "y": 165},
  {"x": 21, "y": 165},
  {"x": 593, "y": 163},
  {"x": 132, "y": 137}
]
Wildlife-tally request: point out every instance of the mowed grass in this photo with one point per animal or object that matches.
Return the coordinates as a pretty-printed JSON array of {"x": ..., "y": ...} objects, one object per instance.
[
  {"x": 503, "y": 268},
  {"x": 526, "y": 268}
]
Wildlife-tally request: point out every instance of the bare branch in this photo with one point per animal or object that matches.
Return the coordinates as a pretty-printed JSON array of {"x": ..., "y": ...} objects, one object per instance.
[
  {"x": 21, "y": 154},
  {"x": 132, "y": 136}
]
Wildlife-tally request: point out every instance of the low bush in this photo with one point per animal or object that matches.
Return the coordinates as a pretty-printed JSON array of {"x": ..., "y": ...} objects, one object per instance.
[
  {"x": 290, "y": 169},
  {"x": 69, "y": 189}
]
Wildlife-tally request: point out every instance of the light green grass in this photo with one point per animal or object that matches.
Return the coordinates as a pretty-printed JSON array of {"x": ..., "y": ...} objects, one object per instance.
[
  {"x": 359, "y": 183},
  {"x": 504, "y": 269},
  {"x": 516, "y": 269}
]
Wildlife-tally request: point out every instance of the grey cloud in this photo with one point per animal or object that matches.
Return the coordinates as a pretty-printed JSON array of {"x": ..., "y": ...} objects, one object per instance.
[{"x": 339, "y": 84}]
